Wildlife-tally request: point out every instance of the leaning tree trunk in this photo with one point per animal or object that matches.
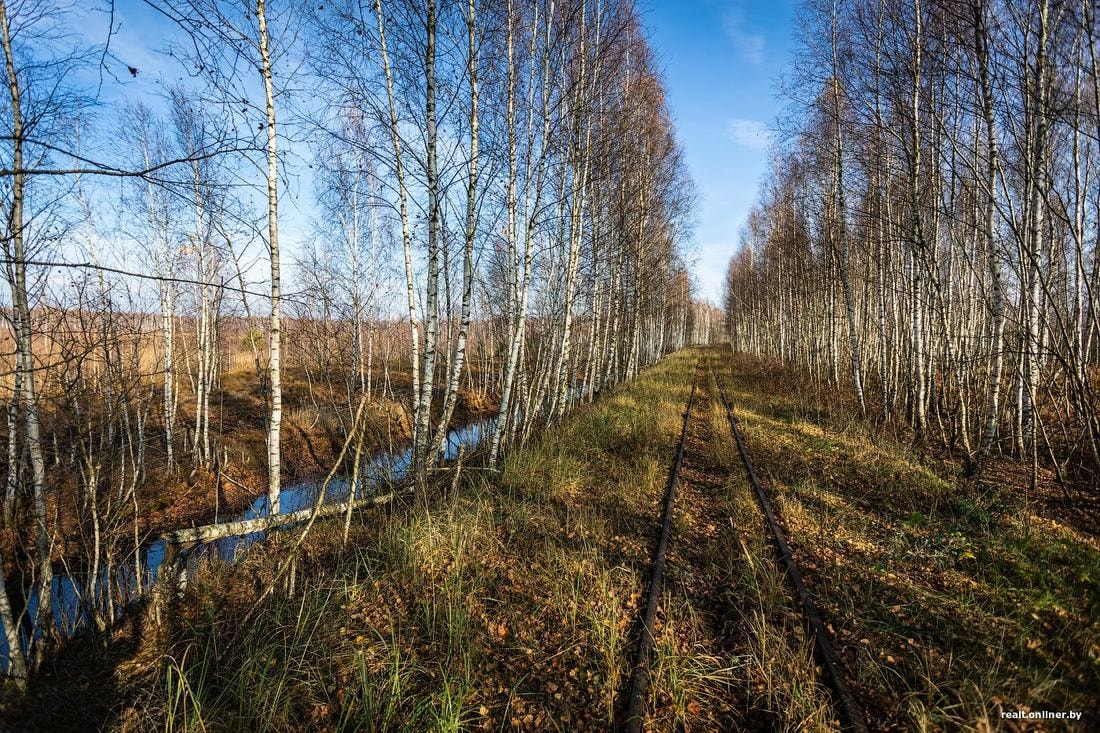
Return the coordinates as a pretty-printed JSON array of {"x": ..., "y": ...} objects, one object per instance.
[{"x": 403, "y": 209}]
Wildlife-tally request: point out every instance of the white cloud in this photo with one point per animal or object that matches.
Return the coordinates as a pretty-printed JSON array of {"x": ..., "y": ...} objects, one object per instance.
[
  {"x": 748, "y": 42},
  {"x": 751, "y": 134}
]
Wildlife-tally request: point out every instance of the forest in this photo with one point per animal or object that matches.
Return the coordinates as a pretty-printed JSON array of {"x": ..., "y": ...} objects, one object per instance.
[
  {"x": 360, "y": 371},
  {"x": 928, "y": 239},
  {"x": 499, "y": 205}
]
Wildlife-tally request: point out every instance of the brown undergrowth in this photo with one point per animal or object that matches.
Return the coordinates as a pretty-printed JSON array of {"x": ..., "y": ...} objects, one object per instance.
[
  {"x": 504, "y": 600},
  {"x": 952, "y": 602},
  {"x": 186, "y": 495},
  {"x": 508, "y": 601}
]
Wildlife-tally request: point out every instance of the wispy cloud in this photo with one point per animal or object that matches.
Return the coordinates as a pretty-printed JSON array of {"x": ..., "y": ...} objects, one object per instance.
[
  {"x": 747, "y": 41},
  {"x": 752, "y": 134}
]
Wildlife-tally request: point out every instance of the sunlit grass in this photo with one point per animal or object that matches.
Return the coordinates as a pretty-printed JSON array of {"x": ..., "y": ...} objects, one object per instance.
[
  {"x": 954, "y": 608},
  {"x": 511, "y": 602},
  {"x": 506, "y": 603}
]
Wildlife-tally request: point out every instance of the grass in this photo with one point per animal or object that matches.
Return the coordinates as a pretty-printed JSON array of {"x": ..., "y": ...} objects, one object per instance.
[
  {"x": 953, "y": 602},
  {"x": 510, "y": 602},
  {"x": 687, "y": 676}
]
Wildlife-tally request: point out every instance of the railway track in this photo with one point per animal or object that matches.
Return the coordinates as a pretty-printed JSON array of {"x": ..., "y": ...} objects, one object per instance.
[
  {"x": 850, "y": 711},
  {"x": 639, "y": 681},
  {"x": 852, "y": 717}
]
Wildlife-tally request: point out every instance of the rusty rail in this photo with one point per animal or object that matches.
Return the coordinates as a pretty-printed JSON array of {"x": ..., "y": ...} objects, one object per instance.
[
  {"x": 639, "y": 681},
  {"x": 851, "y": 713}
]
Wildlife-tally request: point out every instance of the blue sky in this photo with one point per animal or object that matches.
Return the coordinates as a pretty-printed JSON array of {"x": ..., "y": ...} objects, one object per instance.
[{"x": 721, "y": 59}]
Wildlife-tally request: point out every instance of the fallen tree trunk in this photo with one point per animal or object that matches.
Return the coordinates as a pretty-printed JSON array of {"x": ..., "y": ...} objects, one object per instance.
[{"x": 210, "y": 532}]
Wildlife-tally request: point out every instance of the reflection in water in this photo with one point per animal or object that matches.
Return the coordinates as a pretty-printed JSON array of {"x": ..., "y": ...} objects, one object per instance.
[{"x": 119, "y": 584}]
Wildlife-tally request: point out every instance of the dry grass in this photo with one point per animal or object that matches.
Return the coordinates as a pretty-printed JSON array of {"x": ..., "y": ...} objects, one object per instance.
[
  {"x": 511, "y": 601},
  {"x": 951, "y": 603},
  {"x": 507, "y": 604}
]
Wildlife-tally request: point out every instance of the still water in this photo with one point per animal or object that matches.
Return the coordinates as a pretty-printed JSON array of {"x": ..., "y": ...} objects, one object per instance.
[{"x": 69, "y": 598}]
